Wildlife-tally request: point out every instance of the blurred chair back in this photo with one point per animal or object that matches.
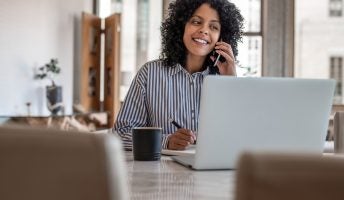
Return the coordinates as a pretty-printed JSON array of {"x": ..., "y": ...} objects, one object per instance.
[
  {"x": 289, "y": 177},
  {"x": 44, "y": 164}
]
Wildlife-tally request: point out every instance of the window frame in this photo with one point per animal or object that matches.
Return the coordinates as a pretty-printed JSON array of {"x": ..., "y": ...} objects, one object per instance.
[{"x": 336, "y": 73}]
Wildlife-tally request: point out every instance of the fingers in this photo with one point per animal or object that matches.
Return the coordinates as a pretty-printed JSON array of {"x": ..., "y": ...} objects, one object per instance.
[
  {"x": 177, "y": 147},
  {"x": 224, "y": 48},
  {"x": 228, "y": 58},
  {"x": 181, "y": 139},
  {"x": 186, "y": 134},
  {"x": 176, "y": 143}
]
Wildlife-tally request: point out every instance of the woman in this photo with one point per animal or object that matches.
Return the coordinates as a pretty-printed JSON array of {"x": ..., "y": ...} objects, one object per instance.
[{"x": 169, "y": 88}]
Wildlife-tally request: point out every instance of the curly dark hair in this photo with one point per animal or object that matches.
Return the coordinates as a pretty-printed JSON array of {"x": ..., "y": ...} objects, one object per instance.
[{"x": 180, "y": 11}]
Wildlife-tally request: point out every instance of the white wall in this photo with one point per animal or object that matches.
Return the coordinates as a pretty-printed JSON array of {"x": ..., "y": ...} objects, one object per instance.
[
  {"x": 32, "y": 32},
  {"x": 154, "y": 36}
]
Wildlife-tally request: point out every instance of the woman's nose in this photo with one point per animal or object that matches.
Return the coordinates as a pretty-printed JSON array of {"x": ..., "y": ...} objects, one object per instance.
[{"x": 203, "y": 30}]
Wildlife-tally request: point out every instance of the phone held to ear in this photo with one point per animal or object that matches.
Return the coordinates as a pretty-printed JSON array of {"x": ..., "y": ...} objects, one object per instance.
[
  {"x": 213, "y": 67},
  {"x": 218, "y": 58}
]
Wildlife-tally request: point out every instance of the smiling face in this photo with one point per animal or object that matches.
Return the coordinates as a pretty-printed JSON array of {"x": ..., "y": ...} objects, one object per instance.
[{"x": 202, "y": 31}]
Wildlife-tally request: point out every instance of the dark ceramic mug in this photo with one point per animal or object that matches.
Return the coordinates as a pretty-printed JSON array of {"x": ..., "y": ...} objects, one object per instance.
[{"x": 147, "y": 143}]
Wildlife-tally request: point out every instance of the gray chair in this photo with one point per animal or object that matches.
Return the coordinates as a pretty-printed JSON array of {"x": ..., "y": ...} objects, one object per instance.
[
  {"x": 44, "y": 164},
  {"x": 289, "y": 176}
]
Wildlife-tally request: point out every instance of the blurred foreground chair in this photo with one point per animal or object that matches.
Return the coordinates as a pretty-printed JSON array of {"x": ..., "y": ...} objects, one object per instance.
[
  {"x": 44, "y": 164},
  {"x": 289, "y": 177}
]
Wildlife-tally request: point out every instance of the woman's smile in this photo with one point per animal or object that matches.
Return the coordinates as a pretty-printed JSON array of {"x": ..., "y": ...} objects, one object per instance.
[{"x": 201, "y": 41}]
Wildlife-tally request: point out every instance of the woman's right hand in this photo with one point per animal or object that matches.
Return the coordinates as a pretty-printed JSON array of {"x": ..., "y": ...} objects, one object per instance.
[{"x": 181, "y": 139}]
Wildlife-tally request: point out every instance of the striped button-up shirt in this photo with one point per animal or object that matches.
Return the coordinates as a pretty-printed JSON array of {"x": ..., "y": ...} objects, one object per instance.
[{"x": 158, "y": 93}]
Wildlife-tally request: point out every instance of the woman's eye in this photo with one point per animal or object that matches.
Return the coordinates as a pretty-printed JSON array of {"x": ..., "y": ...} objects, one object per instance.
[
  {"x": 195, "y": 22},
  {"x": 214, "y": 27}
]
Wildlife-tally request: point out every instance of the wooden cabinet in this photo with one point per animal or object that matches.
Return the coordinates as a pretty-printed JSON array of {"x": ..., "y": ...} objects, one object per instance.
[
  {"x": 112, "y": 69},
  {"x": 92, "y": 83},
  {"x": 90, "y": 72}
]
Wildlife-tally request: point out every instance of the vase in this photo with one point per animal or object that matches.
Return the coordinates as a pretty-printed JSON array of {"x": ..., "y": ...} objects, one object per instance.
[{"x": 54, "y": 99}]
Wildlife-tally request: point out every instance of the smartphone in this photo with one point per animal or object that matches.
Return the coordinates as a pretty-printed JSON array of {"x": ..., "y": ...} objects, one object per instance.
[{"x": 217, "y": 57}]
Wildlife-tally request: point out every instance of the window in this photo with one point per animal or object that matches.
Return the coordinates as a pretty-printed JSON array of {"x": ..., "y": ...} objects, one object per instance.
[
  {"x": 336, "y": 8},
  {"x": 336, "y": 73},
  {"x": 319, "y": 43},
  {"x": 250, "y": 50},
  {"x": 140, "y": 35}
]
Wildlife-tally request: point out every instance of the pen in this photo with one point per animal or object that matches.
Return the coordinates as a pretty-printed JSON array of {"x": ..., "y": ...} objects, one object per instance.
[{"x": 175, "y": 123}]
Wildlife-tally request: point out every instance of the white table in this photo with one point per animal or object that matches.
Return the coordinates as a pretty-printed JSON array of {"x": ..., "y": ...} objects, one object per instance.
[{"x": 166, "y": 179}]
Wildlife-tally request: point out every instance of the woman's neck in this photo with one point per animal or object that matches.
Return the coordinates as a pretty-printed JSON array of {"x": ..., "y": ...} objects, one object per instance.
[{"x": 194, "y": 63}]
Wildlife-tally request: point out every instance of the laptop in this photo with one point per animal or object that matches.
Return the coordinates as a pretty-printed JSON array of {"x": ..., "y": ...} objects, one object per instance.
[{"x": 259, "y": 114}]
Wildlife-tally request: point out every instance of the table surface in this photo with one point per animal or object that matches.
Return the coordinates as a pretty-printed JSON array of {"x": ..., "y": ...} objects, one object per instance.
[{"x": 166, "y": 179}]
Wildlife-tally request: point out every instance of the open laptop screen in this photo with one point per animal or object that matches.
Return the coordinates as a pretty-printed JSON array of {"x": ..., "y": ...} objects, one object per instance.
[{"x": 260, "y": 114}]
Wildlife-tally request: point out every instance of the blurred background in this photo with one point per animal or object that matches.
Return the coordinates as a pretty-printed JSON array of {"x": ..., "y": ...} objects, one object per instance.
[{"x": 300, "y": 39}]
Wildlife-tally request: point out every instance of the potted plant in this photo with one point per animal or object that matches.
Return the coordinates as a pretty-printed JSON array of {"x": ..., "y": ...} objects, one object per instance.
[{"x": 53, "y": 92}]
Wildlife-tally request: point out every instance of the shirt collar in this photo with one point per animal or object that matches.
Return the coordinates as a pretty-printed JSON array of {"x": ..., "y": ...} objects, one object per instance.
[
  {"x": 205, "y": 72},
  {"x": 177, "y": 68}
]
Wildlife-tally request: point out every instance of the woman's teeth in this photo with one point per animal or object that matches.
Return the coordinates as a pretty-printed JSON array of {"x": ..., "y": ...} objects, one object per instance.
[{"x": 201, "y": 41}]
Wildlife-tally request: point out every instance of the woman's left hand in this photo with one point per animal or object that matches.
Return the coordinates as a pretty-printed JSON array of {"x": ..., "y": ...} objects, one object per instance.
[{"x": 225, "y": 50}]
